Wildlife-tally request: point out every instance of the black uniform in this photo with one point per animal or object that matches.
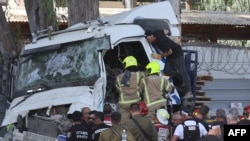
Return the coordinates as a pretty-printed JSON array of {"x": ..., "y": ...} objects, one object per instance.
[
  {"x": 78, "y": 133},
  {"x": 89, "y": 128},
  {"x": 175, "y": 64},
  {"x": 164, "y": 44}
]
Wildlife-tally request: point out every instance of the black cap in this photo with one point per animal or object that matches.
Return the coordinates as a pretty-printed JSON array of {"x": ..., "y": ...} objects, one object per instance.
[{"x": 148, "y": 33}]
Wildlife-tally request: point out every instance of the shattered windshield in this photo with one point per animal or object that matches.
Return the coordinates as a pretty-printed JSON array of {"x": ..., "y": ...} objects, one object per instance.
[{"x": 75, "y": 61}]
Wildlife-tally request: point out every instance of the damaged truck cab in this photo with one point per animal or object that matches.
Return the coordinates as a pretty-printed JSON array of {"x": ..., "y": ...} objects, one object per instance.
[{"x": 63, "y": 71}]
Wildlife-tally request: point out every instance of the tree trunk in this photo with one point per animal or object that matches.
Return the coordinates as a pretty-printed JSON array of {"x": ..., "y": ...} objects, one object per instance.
[
  {"x": 40, "y": 14},
  {"x": 82, "y": 11},
  {"x": 8, "y": 53},
  {"x": 129, "y": 3},
  {"x": 177, "y": 9},
  {"x": 7, "y": 44}
]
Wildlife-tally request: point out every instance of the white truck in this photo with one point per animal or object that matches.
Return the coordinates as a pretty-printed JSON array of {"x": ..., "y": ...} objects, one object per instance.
[{"x": 63, "y": 71}]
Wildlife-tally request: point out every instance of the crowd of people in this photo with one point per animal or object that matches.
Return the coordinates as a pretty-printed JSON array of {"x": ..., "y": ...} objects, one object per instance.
[{"x": 90, "y": 125}]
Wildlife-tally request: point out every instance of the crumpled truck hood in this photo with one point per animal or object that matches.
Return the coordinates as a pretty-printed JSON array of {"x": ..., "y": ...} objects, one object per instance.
[{"x": 78, "y": 97}]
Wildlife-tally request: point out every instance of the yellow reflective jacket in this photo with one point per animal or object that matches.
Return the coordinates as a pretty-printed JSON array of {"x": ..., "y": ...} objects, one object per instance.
[
  {"x": 153, "y": 87},
  {"x": 129, "y": 94}
]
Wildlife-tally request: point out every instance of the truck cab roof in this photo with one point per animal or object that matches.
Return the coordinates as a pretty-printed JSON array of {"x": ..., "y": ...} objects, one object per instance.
[{"x": 131, "y": 23}]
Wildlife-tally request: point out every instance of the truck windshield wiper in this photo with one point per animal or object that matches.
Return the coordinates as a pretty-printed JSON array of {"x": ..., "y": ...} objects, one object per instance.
[
  {"x": 26, "y": 97},
  {"x": 31, "y": 91}
]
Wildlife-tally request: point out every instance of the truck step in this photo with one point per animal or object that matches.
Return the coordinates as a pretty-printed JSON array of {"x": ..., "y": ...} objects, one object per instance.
[
  {"x": 198, "y": 87},
  {"x": 200, "y": 82},
  {"x": 203, "y": 98},
  {"x": 201, "y": 102},
  {"x": 205, "y": 77},
  {"x": 200, "y": 93}
]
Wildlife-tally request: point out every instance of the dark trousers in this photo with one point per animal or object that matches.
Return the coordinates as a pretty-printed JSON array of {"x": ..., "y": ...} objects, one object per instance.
[{"x": 175, "y": 67}]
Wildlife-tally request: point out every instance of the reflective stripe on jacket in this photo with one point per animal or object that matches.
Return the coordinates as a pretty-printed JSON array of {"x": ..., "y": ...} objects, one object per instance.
[
  {"x": 153, "y": 88},
  {"x": 129, "y": 94}
]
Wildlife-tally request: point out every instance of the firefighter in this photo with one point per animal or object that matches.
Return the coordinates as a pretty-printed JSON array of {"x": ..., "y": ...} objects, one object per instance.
[
  {"x": 127, "y": 86},
  {"x": 153, "y": 87}
]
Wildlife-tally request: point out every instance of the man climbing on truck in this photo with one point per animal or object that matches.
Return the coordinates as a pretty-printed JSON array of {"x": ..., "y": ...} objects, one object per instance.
[{"x": 175, "y": 64}]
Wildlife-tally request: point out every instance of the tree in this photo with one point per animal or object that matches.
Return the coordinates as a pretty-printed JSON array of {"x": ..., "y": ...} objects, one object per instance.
[
  {"x": 8, "y": 53},
  {"x": 41, "y": 14},
  {"x": 221, "y": 5},
  {"x": 82, "y": 11}
]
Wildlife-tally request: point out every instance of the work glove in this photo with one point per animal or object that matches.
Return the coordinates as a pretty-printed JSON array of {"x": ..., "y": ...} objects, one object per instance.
[{"x": 156, "y": 56}]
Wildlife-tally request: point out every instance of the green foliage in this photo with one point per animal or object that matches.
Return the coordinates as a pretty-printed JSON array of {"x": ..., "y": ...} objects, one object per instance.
[
  {"x": 234, "y": 43},
  {"x": 16, "y": 34},
  {"x": 221, "y": 5},
  {"x": 49, "y": 8}
]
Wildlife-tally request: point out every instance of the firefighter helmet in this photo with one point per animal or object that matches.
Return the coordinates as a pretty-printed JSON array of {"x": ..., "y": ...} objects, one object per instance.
[
  {"x": 129, "y": 61},
  {"x": 162, "y": 116},
  {"x": 153, "y": 68},
  {"x": 143, "y": 108}
]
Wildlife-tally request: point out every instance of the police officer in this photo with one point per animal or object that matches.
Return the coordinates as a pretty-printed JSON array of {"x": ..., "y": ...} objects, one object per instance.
[
  {"x": 153, "y": 87},
  {"x": 127, "y": 86},
  {"x": 77, "y": 132}
]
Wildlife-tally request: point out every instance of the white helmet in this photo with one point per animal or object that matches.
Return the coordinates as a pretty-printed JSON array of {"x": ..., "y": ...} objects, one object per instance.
[{"x": 162, "y": 116}]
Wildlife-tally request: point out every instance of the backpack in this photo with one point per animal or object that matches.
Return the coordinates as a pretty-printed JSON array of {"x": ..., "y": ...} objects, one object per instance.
[{"x": 191, "y": 132}]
